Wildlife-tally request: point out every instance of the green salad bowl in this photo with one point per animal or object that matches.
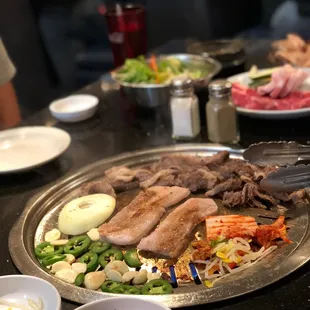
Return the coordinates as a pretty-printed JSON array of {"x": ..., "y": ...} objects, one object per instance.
[{"x": 153, "y": 95}]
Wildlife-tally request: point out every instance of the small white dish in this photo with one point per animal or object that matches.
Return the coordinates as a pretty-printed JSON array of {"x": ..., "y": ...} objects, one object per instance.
[
  {"x": 74, "y": 108},
  {"x": 123, "y": 303},
  {"x": 19, "y": 289},
  {"x": 28, "y": 147}
]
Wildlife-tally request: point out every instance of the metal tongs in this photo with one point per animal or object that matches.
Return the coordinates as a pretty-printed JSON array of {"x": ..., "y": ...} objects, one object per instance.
[
  {"x": 294, "y": 174},
  {"x": 277, "y": 153},
  {"x": 287, "y": 179}
]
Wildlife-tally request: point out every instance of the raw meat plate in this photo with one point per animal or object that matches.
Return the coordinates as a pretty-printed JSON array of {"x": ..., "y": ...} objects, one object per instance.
[{"x": 250, "y": 103}]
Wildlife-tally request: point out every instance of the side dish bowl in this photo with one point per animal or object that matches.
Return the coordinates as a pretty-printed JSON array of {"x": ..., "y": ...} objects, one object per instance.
[
  {"x": 26, "y": 290},
  {"x": 152, "y": 95},
  {"x": 74, "y": 108},
  {"x": 123, "y": 303}
]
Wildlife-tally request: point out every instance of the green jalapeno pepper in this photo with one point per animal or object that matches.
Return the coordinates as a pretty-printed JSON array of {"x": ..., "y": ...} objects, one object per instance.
[
  {"x": 126, "y": 289},
  {"x": 99, "y": 247},
  {"x": 79, "y": 279},
  {"x": 91, "y": 259},
  {"x": 52, "y": 259},
  {"x": 132, "y": 259},
  {"x": 109, "y": 255},
  {"x": 77, "y": 245},
  {"x": 157, "y": 287},
  {"x": 107, "y": 286},
  {"x": 44, "y": 249}
]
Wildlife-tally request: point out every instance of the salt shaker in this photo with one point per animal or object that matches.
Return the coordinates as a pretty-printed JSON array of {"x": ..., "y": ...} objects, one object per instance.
[
  {"x": 184, "y": 109},
  {"x": 221, "y": 113}
]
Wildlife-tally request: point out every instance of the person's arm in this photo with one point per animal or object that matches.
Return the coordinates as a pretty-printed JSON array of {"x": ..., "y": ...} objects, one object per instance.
[{"x": 9, "y": 110}]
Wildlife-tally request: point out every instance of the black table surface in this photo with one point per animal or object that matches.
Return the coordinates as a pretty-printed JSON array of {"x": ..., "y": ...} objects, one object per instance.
[{"x": 119, "y": 127}]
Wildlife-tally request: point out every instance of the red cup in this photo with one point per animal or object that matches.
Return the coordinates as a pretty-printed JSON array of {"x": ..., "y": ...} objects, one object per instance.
[{"x": 126, "y": 30}]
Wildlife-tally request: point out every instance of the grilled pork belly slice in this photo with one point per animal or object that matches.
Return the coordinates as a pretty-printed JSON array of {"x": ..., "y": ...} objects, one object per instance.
[
  {"x": 137, "y": 219},
  {"x": 171, "y": 237}
]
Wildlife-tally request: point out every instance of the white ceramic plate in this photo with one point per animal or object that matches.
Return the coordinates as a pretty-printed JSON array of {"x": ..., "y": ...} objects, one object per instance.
[
  {"x": 28, "y": 147},
  {"x": 19, "y": 289},
  {"x": 243, "y": 78}
]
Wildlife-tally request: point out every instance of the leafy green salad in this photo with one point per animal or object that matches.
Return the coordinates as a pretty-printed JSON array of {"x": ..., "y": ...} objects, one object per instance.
[{"x": 155, "y": 71}]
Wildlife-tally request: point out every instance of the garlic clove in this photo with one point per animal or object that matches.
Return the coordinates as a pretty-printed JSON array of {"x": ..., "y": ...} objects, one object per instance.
[
  {"x": 153, "y": 276},
  {"x": 59, "y": 266},
  {"x": 141, "y": 278},
  {"x": 93, "y": 234},
  {"x": 117, "y": 265},
  {"x": 79, "y": 267},
  {"x": 59, "y": 242},
  {"x": 128, "y": 276},
  {"x": 67, "y": 275},
  {"x": 52, "y": 235},
  {"x": 93, "y": 280},
  {"x": 69, "y": 258},
  {"x": 114, "y": 275}
]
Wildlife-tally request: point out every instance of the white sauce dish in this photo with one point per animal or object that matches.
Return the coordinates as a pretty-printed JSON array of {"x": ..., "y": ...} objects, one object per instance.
[{"x": 74, "y": 108}]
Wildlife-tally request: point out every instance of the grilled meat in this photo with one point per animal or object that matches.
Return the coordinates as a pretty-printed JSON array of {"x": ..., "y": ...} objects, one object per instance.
[
  {"x": 230, "y": 184},
  {"x": 171, "y": 237},
  {"x": 220, "y": 176},
  {"x": 97, "y": 187},
  {"x": 138, "y": 218},
  {"x": 250, "y": 195},
  {"x": 197, "y": 179}
]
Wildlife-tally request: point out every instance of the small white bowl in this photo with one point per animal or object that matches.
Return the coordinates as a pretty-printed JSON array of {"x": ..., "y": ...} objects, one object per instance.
[
  {"x": 123, "y": 303},
  {"x": 74, "y": 108},
  {"x": 18, "y": 289}
]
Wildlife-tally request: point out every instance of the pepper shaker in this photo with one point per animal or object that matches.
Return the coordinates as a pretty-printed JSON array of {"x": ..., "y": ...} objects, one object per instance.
[
  {"x": 221, "y": 113},
  {"x": 184, "y": 109}
]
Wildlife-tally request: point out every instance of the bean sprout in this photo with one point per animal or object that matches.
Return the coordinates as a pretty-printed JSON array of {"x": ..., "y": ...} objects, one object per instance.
[{"x": 228, "y": 260}]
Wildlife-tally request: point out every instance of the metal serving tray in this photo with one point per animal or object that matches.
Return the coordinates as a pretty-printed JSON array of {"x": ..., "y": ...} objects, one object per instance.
[{"x": 41, "y": 213}]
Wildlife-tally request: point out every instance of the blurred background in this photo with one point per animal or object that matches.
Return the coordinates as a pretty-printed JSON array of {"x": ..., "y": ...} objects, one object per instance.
[{"x": 59, "y": 46}]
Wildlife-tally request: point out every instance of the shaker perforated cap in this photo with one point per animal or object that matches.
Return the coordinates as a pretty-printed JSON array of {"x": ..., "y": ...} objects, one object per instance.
[
  {"x": 181, "y": 85},
  {"x": 220, "y": 88}
]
